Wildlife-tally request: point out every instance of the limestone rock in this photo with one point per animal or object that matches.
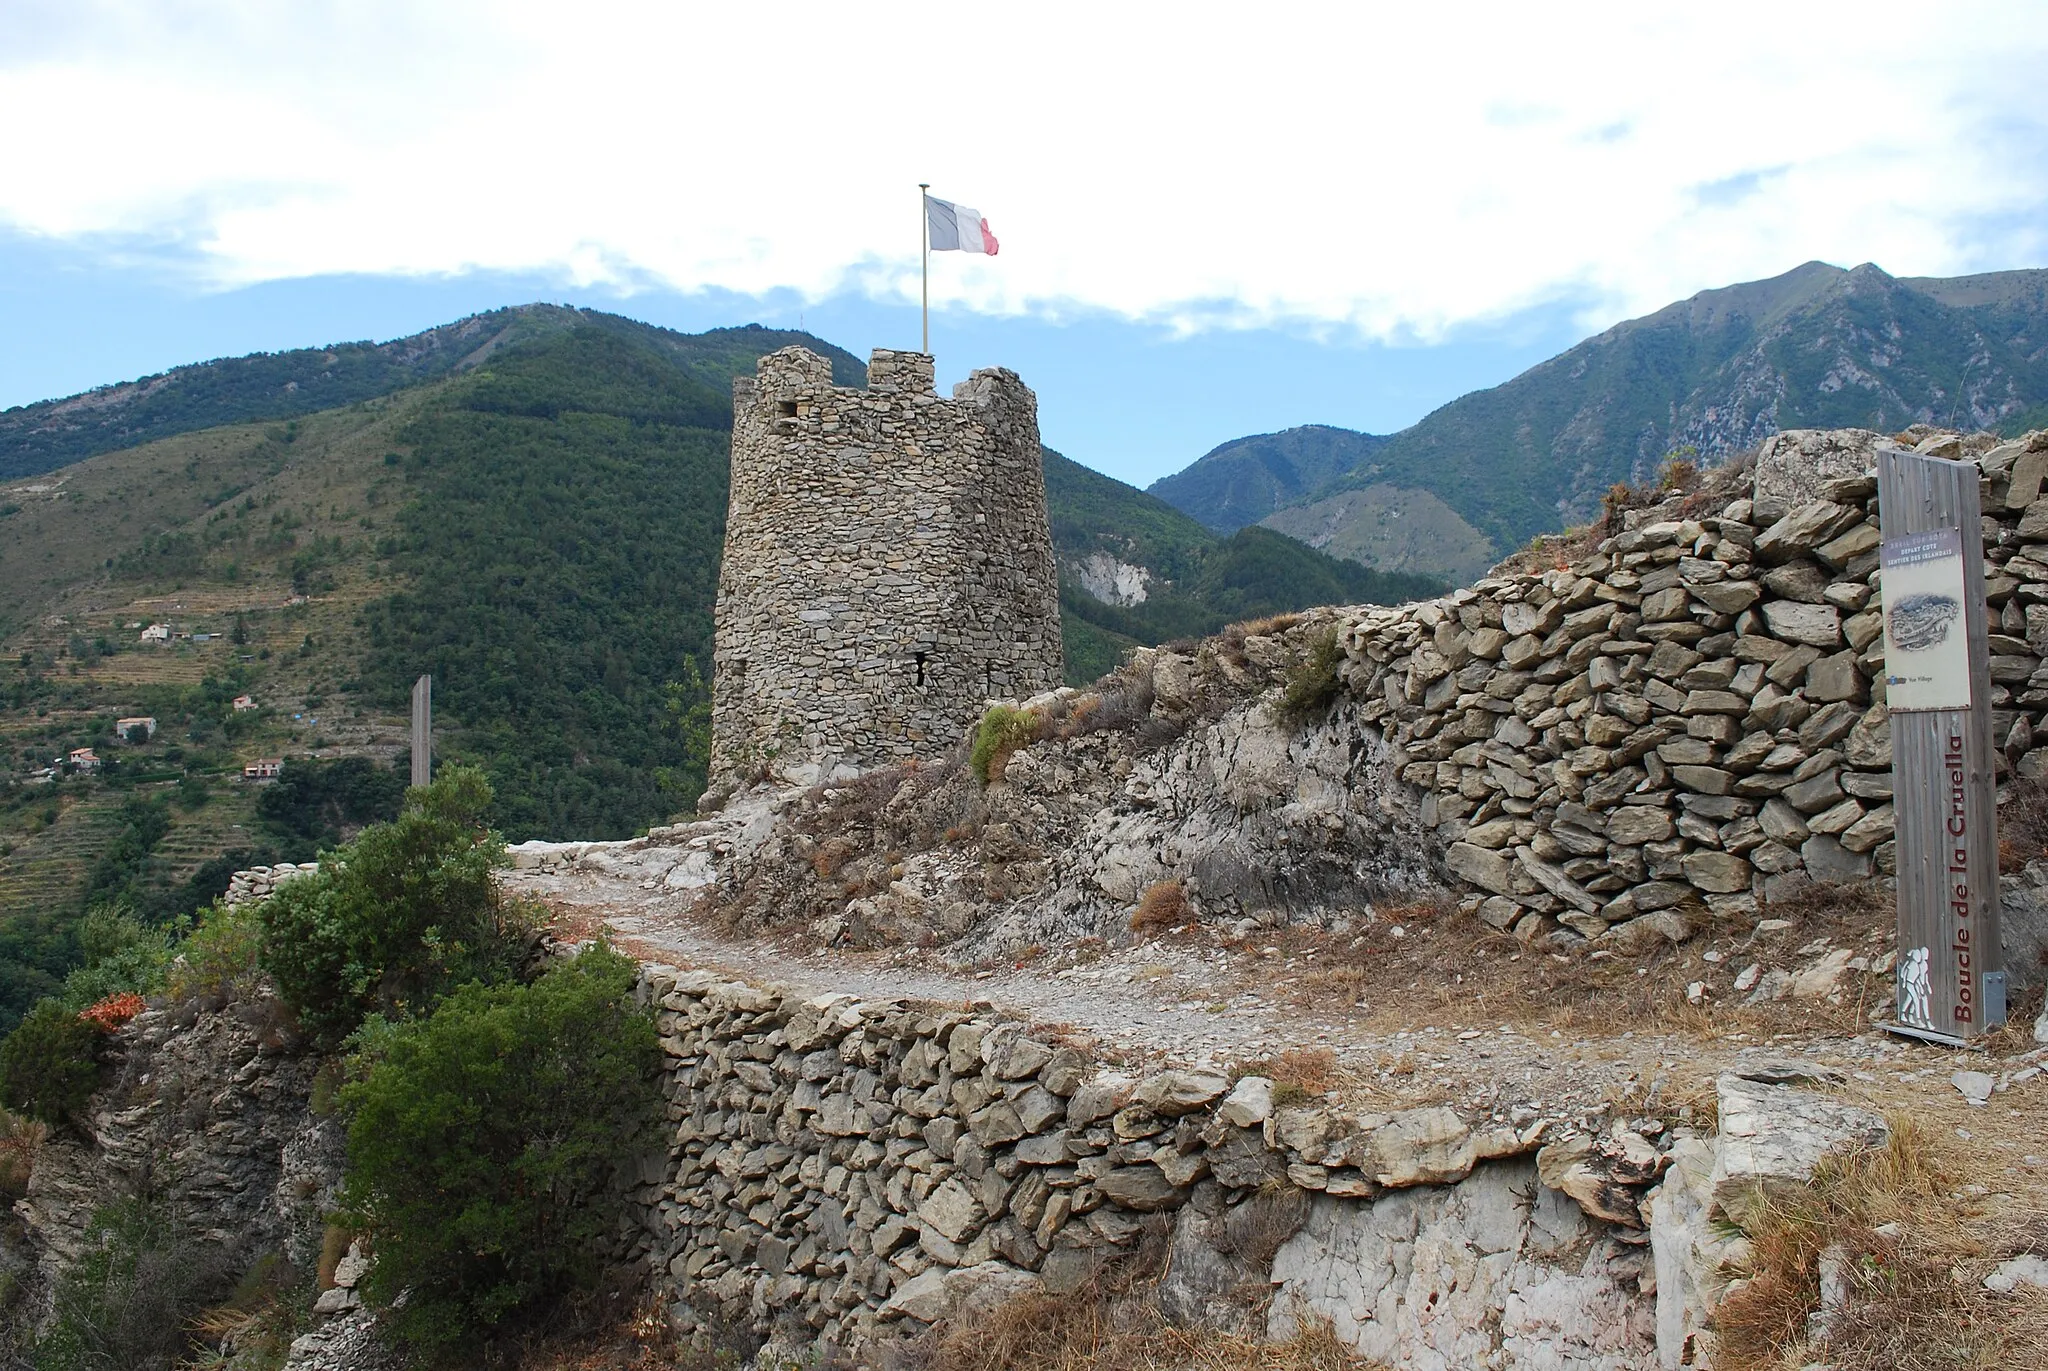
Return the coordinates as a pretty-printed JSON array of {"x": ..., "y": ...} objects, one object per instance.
[{"x": 1771, "y": 1137}]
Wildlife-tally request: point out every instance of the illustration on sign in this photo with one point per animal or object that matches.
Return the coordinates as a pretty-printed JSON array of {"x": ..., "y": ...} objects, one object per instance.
[
  {"x": 1916, "y": 991},
  {"x": 1926, "y": 644}
]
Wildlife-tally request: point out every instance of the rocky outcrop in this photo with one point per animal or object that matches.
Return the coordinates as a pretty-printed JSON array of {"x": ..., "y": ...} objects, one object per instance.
[{"x": 209, "y": 1113}]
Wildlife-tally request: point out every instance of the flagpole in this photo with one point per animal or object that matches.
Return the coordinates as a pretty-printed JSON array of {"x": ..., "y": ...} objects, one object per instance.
[{"x": 924, "y": 236}]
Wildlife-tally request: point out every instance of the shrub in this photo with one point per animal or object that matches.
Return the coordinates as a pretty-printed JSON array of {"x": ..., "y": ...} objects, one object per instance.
[
  {"x": 122, "y": 956},
  {"x": 1002, "y": 731},
  {"x": 220, "y": 962},
  {"x": 396, "y": 919},
  {"x": 1313, "y": 684},
  {"x": 21, "y": 1141},
  {"x": 483, "y": 1141},
  {"x": 1163, "y": 905},
  {"x": 50, "y": 1064},
  {"x": 128, "y": 1300}
]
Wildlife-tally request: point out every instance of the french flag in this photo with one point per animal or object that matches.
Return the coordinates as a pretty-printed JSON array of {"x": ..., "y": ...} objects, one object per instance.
[{"x": 956, "y": 228}]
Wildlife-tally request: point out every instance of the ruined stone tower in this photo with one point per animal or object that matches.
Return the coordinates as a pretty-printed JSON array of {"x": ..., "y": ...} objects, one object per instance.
[{"x": 888, "y": 566}]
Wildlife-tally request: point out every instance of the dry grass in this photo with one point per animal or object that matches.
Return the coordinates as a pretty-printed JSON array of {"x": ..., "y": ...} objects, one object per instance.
[
  {"x": 1115, "y": 1324},
  {"x": 1446, "y": 968},
  {"x": 2022, "y": 824},
  {"x": 1164, "y": 905},
  {"x": 1911, "y": 1297},
  {"x": 21, "y": 1141},
  {"x": 1297, "y": 1072}
]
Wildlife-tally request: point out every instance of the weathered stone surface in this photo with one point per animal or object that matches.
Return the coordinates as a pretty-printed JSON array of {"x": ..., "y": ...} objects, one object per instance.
[
  {"x": 1422, "y": 1147},
  {"x": 1771, "y": 1136},
  {"x": 1814, "y": 625},
  {"x": 818, "y": 667},
  {"x": 1401, "y": 1281},
  {"x": 1143, "y": 1188},
  {"x": 1173, "y": 1093},
  {"x": 1485, "y": 869}
]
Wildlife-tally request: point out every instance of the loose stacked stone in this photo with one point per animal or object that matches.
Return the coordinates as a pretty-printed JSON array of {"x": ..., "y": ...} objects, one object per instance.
[
  {"x": 257, "y": 882},
  {"x": 1692, "y": 717}
]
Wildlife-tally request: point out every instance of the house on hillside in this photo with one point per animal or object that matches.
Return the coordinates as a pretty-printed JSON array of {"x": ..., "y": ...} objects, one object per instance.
[
  {"x": 244, "y": 703},
  {"x": 263, "y": 769},
  {"x": 125, "y": 728},
  {"x": 157, "y": 633},
  {"x": 82, "y": 759}
]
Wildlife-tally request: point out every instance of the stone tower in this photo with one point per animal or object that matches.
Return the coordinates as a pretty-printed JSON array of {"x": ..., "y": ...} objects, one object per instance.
[{"x": 888, "y": 565}]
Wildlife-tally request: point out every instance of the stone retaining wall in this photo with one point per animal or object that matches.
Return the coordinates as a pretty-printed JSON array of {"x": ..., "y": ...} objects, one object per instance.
[{"x": 846, "y": 1171}]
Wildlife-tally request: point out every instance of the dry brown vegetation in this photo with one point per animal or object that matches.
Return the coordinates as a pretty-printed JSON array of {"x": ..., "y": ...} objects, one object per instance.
[
  {"x": 1164, "y": 905},
  {"x": 1114, "y": 1323},
  {"x": 21, "y": 1140},
  {"x": 1446, "y": 967},
  {"x": 1904, "y": 1262}
]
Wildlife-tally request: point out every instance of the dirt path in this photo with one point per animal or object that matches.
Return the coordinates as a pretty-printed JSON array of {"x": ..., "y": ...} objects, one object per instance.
[{"x": 1191, "y": 1001}]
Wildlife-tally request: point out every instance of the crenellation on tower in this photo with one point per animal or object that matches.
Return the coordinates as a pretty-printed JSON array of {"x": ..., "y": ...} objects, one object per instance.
[{"x": 888, "y": 565}]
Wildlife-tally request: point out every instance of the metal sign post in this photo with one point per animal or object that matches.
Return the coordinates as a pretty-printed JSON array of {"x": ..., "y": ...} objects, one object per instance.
[
  {"x": 423, "y": 730},
  {"x": 1950, "y": 981}
]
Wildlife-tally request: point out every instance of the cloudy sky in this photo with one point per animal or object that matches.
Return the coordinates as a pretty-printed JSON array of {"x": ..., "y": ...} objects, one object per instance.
[{"x": 1215, "y": 219}]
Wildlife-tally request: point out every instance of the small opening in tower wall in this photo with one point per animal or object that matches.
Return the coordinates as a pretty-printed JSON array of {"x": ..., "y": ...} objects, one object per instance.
[
  {"x": 788, "y": 408},
  {"x": 919, "y": 657}
]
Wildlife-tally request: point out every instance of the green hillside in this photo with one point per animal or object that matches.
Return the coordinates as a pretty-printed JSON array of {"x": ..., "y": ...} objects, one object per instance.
[
  {"x": 284, "y": 385},
  {"x": 1196, "y": 582},
  {"x": 1246, "y": 479}
]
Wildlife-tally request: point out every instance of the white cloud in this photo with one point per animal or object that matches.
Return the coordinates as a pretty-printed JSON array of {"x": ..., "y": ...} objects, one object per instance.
[{"x": 1397, "y": 171}]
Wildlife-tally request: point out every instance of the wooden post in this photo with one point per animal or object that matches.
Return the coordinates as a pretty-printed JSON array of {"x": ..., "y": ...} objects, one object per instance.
[
  {"x": 1950, "y": 980},
  {"x": 423, "y": 730}
]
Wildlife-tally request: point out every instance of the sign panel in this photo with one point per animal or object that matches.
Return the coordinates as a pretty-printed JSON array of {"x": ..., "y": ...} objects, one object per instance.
[
  {"x": 1937, "y": 683},
  {"x": 1926, "y": 643}
]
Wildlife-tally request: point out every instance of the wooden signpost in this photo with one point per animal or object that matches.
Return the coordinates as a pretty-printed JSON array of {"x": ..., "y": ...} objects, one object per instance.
[
  {"x": 1950, "y": 981},
  {"x": 423, "y": 730}
]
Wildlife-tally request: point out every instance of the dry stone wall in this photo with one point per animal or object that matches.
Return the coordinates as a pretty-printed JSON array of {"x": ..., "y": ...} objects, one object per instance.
[
  {"x": 1691, "y": 718},
  {"x": 888, "y": 565},
  {"x": 256, "y": 882},
  {"x": 844, "y": 1172},
  {"x": 847, "y": 1171}
]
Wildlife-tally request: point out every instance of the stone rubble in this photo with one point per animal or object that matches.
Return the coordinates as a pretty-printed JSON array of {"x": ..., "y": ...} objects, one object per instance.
[{"x": 257, "y": 882}]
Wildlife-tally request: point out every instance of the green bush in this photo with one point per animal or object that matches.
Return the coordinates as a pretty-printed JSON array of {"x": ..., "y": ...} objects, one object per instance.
[
  {"x": 483, "y": 1142},
  {"x": 1313, "y": 684},
  {"x": 121, "y": 954},
  {"x": 396, "y": 919},
  {"x": 220, "y": 962},
  {"x": 1002, "y": 731},
  {"x": 128, "y": 1301},
  {"x": 50, "y": 1064}
]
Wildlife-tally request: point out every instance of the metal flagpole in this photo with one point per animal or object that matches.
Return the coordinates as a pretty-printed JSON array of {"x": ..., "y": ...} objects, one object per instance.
[{"x": 924, "y": 237}]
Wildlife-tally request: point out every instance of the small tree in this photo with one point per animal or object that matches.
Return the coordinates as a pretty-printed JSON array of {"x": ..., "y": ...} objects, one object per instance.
[
  {"x": 396, "y": 919},
  {"x": 50, "y": 1064},
  {"x": 483, "y": 1142}
]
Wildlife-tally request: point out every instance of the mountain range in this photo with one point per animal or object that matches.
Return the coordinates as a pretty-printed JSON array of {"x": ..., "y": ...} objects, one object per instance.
[{"x": 1818, "y": 347}]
